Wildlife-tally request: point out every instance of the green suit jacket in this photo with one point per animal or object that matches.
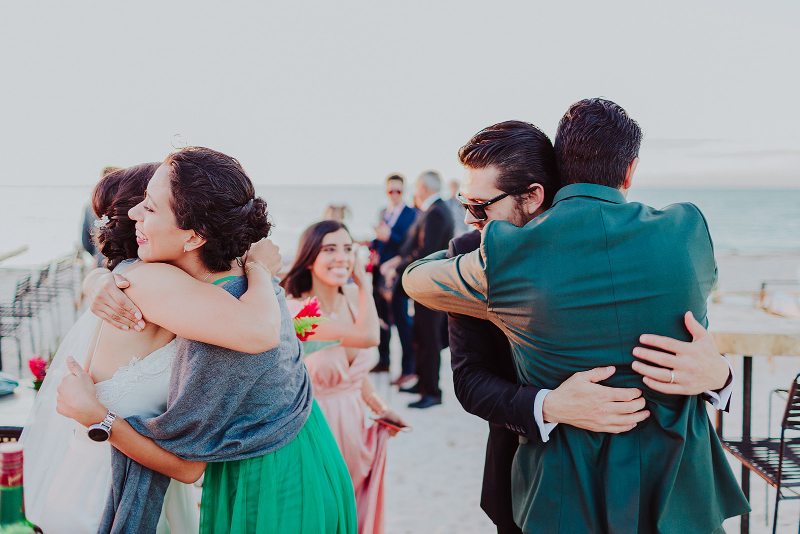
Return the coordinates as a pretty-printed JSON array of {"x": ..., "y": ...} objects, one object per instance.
[{"x": 573, "y": 289}]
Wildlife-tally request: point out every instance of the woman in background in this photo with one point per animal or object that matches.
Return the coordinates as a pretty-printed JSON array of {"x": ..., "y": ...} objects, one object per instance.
[{"x": 324, "y": 264}]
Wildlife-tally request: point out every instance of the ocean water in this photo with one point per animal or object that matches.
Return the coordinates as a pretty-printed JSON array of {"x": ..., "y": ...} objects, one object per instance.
[{"x": 47, "y": 219}]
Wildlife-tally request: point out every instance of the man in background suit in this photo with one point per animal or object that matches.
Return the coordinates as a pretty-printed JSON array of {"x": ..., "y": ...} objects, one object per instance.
[
  {"x": 390, "y": 299},
  {"x": 431, "y": 232}
]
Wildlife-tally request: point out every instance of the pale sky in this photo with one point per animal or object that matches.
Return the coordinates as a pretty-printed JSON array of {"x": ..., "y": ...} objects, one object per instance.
[{"x": 347, "y": 92}]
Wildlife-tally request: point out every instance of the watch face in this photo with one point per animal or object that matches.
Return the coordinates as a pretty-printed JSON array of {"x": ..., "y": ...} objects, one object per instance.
[{"x": 98, "y": 433}]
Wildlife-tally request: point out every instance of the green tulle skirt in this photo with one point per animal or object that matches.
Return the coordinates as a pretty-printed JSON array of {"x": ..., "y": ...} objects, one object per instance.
[{"x": 302, "y": 487}]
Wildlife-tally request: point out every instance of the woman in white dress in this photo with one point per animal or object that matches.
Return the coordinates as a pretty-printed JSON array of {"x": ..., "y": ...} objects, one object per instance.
[{"x": 67, "y": 475}]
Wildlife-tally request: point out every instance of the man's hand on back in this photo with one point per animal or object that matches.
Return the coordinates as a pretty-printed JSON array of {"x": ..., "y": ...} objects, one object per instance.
[
  {"x": 684, "y": 368},
  {"x": 583, "y": 403}
]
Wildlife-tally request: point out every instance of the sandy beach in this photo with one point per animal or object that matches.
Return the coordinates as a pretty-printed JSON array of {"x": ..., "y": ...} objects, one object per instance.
[{"x": 434, "y": 472}]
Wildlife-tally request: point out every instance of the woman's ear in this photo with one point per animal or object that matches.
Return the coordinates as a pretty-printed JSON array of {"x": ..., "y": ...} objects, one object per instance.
[{"x": 193, "y": 242}]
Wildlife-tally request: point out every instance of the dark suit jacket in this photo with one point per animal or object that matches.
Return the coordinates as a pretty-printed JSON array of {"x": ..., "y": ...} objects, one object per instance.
[
  {"x": 431, "y": 232},
  {"x": 389, "y": 249},
  {"x": 486, "y": 386}
]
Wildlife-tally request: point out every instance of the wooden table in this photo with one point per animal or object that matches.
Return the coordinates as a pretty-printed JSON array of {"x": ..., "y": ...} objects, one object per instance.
[{"x": 749, "y": 332}]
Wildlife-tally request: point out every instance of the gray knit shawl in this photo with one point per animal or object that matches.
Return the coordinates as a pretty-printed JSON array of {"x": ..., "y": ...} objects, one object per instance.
[{"x": 222, "y": 405}]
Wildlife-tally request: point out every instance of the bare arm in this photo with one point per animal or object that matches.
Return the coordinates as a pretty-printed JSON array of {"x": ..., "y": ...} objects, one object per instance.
[
  {"x": 145, "y": 451},
  {"x": 364, "y": 333},
  {"x": 77, "y": 399},
  {"x": 204, "y": 312},
  {"x": 91, "y": 279}
]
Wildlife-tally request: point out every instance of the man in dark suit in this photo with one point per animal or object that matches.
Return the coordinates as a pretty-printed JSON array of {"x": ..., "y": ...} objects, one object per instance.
[
  {"x": 517, "y": 156},
  {"x": 432, "y": 231},
  {"x": 390, "y": 299}
]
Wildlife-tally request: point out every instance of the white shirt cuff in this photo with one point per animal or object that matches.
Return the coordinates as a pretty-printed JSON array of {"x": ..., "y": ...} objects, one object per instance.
[
  {"x": 719, "y": 399},
  {"x": 544, "y": 428}
]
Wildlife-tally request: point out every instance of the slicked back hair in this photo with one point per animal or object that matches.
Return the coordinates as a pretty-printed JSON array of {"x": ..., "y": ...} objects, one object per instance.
[
  {"x": 595, "y": 143},
  {"x": 522, "y": 154}
]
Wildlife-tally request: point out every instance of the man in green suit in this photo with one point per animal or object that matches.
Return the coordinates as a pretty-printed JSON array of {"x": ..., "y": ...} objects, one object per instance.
[{"x": 573, "y": 289}]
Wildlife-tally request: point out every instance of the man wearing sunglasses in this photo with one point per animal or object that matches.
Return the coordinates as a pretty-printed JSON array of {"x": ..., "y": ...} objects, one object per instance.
[
  {"x": 541, "y": 285},
  {"x": 390, "y": 299},
  {"x": 432, "y": 231}
]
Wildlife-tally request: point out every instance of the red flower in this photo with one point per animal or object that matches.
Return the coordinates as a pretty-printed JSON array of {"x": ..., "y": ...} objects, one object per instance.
[
  {"x": 310, "y": 309},
  {"x": 38, "y": 367},
  {"x": 307, "y": 319}
]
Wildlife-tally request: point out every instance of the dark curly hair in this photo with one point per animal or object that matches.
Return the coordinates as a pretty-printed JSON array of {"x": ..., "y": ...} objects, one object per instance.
[
  {"x": 212, "y": 195},
  {"x": 298, "y": 280},
  {"x": 115, "y": 194}
]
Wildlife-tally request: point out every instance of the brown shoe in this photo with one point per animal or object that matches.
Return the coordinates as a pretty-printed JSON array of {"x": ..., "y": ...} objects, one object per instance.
[{"x": 404, "y": 380}]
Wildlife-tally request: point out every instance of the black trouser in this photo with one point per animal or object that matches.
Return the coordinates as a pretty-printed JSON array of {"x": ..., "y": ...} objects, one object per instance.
[
  {"x": 394, "y": 312},
  {"x": 427, "y": 348},
  {"x": 496, "y": 491},
  {"x": 509, "y": 529}
]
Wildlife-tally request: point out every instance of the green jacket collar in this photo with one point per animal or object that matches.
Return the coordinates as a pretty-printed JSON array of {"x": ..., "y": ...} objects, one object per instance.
[{"x": 601, "y": 192}]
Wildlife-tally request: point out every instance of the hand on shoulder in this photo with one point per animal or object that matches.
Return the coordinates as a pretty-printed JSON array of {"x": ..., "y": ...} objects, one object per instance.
[{"x": 108, "y": 302}]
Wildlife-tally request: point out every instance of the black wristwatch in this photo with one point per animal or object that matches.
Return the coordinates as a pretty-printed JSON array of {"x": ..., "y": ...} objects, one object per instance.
[{"x": 102, "y": 431}]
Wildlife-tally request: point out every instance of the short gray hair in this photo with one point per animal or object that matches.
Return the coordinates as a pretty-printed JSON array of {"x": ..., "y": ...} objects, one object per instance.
[{"x": 432, "y": 181}]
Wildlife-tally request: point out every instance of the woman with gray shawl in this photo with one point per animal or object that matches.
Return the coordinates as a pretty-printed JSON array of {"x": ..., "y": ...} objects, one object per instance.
[{"x": 272, "y": 463}]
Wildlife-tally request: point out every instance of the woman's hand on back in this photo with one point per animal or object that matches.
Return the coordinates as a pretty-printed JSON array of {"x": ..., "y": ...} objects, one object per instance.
[
  {"x": 77, "y": 397},
  {"x": 108, "y": 302},
  {"x": 267, "y": 254}
]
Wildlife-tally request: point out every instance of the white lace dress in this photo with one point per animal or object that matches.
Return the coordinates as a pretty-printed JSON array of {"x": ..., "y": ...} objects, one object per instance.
[{"x": 76, "y": 497}]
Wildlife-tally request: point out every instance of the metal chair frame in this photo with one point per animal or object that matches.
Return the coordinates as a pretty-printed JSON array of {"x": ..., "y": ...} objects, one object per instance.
[
  {"x": 17, "y": 314},
  {"x": 776, "y": 460},
  {"x": 56, "y": 283}
]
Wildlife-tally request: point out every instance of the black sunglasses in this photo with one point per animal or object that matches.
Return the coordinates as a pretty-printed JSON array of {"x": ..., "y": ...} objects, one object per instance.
[{"x": 478, "y": 209}]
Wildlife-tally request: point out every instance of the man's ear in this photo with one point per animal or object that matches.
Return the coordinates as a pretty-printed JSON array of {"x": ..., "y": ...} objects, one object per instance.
[
  {"x": 534, "y": 199},
  {"x": 626, "y": 183}
]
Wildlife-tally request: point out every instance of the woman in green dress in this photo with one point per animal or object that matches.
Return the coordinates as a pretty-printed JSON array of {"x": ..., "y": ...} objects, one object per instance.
[{"x": 248, "y": 420}]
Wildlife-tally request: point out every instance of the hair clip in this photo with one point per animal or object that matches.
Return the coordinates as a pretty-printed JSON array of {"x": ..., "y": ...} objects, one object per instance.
[{"x": 101, "y": 222}]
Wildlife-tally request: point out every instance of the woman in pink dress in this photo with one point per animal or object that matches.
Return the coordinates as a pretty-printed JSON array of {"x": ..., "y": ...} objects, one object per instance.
[{"x": 324, "y": 264}]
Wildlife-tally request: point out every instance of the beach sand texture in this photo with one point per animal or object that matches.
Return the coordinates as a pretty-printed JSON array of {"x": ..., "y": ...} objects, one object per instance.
[{"x": 433, "y": 477}]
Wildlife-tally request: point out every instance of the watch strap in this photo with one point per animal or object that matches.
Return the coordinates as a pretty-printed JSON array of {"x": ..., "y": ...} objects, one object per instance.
[{"x": 108, "y": 421}]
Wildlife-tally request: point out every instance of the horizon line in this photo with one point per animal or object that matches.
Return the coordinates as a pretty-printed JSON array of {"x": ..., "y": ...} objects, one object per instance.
[{"x": 770, "y": 187}]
